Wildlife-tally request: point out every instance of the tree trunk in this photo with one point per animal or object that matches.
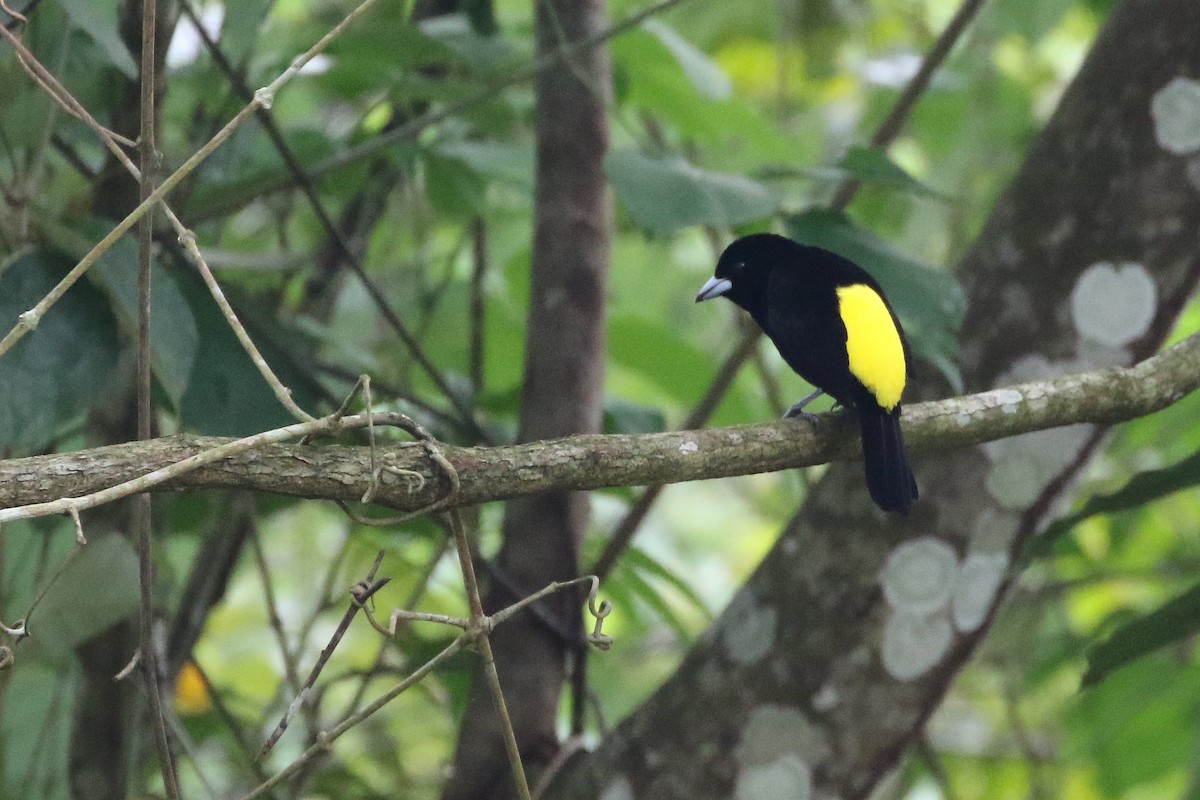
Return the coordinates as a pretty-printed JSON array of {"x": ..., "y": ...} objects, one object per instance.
[
  {"x": 561, "y": 394},
  {"x": 831, "y": 658}
]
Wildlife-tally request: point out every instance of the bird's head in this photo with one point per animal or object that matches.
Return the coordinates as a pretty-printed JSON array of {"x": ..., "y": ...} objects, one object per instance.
[{"x": 744, "y": 269}]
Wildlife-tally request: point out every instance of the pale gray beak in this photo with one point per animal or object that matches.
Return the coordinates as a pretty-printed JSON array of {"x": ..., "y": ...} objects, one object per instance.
[{"x": 714, "y": 288}]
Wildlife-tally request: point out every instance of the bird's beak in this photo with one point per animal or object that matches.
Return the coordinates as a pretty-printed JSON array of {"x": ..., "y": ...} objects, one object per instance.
[{"x": 714, "y": 288}]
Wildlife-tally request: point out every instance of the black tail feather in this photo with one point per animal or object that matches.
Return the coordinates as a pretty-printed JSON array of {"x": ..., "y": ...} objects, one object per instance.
[{"x": 889, "y": 477}]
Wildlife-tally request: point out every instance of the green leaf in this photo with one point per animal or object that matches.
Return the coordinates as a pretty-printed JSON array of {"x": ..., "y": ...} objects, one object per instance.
[
  {"x": 704, "y": 73},
  {"x": 649, "y": 77},
  {"x": 226, "y": 395},
  {"x": 173, "y": 337},
  {"x": 44, "y": 701},
  {"x": 872, "y": 165},
  {"x": 98, "y": 587},
  {"x": 1143, "y": 488},
  {"x": 665, "y": 194},
  {"x": 1173, "y": 621},
  {"x": 456, "y": 33},
  {"x": 622, "y": 416},
  {"x": 240, "y": 27},
  {"x": 639, "y": 559},
  {"x": 510, "y": 162},
  {"x": 239, "y": 172},
  {"x": 1138, "y": 726},
  {"x": 453, "y": 188},
  {"x": 929, "y": 301},
  {"x": 673, "y": 364},
  {"x": 99, "y": 21},
  {"x": 640, "y": 588},
  {"x": 53, "y": 374}
]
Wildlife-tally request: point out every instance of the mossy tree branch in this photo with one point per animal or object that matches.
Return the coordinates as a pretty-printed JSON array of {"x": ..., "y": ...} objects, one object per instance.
[{"x": 338, "y": 472}]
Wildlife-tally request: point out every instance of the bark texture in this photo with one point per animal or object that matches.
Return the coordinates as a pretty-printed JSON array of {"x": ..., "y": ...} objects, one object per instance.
[
  {"x": 561, "y": 395},
  {"x": 831, "y": 658},
  {"x": 105, "y": 718},
  {"x": 596, "y": 461}
]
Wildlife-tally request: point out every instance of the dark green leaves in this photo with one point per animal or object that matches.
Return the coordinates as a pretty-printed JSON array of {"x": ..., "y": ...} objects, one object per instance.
[
  {"x": 1172, "y": 622},
  {"x": 872, "y": 165},
  {"x": 97, "y": 588},
  {"x": 665, "y": 194},
  {"x": 60, "y": 369},
  {"x": 226, "y": 395},
  {"x": 929, "y": 301},
  {"x": 99, "y": 21},
  {"x": 1141, "y": 489},
  {"x": 173, "y": 337}
]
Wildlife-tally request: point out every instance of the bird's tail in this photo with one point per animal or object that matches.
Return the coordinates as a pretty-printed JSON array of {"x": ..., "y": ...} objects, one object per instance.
[{"x": 889, "y": 477}]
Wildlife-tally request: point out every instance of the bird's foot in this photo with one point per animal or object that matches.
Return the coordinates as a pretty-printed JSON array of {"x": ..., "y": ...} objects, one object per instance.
[
  {"x": 797, "y": 410},
  {"x": 803, "y": 416}
]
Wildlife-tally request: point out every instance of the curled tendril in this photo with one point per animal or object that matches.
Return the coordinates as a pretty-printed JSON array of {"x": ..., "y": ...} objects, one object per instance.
[
  {"x": 17, "y": 630},
  {"x": 597, "y": 638}
]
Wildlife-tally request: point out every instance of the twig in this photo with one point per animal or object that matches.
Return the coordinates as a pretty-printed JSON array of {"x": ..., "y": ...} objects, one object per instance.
[
  {"x": 143, "y": 508},
  {"x": 143, "y": 483},
  {"x": 231, "y": 722},
  {"x": 480, "y": 622},
  {"x": 290, "y": 671},
  {"x": 478, "y": 306},
  {"x": 361, "y": 593},
  {"x": 328, "y": 738},
  {"x": 933, "y": 762},
  {"x": 413, "y": 599}
]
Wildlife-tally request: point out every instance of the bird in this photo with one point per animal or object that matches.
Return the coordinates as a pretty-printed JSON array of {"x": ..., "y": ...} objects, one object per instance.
[{"x": 833, "y": 325}]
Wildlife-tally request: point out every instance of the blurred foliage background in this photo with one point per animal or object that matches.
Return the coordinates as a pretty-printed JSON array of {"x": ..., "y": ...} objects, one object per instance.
[{"x": 726, "y": 116}]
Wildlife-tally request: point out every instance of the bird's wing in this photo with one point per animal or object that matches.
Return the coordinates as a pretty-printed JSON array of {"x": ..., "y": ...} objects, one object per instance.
[{"x": 803, "y": 322}]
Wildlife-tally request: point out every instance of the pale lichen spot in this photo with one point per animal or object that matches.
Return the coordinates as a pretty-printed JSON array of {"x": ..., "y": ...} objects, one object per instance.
[
  {"x": 978, "y": 581},
  {"x": 826, "y": 698},
  {"x": 1014, "y": 480},
  {"x": 919, "y": 576},
  {"x": 554, "y": 298},
  {"x": 748, "y": 630},
  {"x": 785, "y": 778},
  {"x": 1023, "y": 465},
  {"x": 618, "y": 789},
  {"x": 1175, "y": 109},
  {"x": 687, "y": 447},
  {"x": 912, "y": 644},
  {"x": 1005, "y": 397},
  {"x": 1192, "y": 170},
  {"x": 1009, "y": 254},
  {"x": 775, "y": 731},
  {"x": 993, "y": 532},
  {"x": 1114, "y": 305},
  {"x": 1061, "y": 232}
]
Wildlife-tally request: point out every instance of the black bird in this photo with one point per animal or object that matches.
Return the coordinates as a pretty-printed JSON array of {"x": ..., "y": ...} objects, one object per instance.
[{"x": 832, "y": 324}]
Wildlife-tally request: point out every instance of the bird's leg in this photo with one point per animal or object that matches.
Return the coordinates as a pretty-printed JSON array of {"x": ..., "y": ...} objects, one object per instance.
[{"x": 797, "y": 409}]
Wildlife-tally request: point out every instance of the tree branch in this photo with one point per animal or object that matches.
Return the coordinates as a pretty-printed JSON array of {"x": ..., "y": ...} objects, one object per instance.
[{"x": 337, "y": 472}]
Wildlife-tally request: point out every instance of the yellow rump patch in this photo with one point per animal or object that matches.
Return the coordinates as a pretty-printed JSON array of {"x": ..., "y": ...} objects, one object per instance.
[{"x": 873, "y": 343}]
